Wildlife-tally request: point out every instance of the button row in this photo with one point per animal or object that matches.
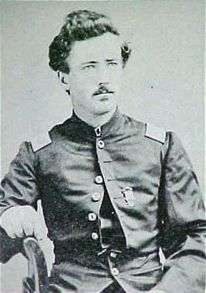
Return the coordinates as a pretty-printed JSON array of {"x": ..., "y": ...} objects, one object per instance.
[
  {"x": 113, "y": 254},
  {"x": 99, "y": 179},
  {"x": 95, "y": 236},
  {"x": 92, "y": 217},
  {"x": 100, "y": 144},
  {"x": 98, "y": 131},
  {"x": 115, "y": 271},
  {"x": 96, "y": 196}
]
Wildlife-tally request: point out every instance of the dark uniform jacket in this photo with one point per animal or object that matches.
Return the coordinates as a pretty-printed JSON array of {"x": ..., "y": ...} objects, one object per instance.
[{"x": 111, "y": 198}]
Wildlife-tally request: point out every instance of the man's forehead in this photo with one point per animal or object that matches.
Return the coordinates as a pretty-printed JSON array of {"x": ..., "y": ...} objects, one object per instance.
[{"x": 106, "y": 46}]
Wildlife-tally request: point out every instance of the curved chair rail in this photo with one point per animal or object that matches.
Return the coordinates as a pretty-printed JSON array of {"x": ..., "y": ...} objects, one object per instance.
[{"x": 37, "y": 279}]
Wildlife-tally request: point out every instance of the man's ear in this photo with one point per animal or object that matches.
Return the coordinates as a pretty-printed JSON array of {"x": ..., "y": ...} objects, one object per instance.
[{"x": 64, "y": 79}]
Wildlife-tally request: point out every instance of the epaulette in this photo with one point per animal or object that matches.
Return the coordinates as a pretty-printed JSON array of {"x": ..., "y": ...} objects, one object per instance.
[
  {"x": 155, "y": 132},
  {"x": 40, "y": 142}
]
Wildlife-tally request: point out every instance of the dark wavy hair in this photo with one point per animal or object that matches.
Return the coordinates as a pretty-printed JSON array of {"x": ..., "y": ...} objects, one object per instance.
[{"x": 80, "y": 25}]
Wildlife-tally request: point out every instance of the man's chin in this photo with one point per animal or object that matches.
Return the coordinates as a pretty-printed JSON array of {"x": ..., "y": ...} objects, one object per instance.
[{"x": 104, "y": 108}]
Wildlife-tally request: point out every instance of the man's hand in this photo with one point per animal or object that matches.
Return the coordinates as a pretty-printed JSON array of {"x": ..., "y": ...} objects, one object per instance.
[
  {"x": 22, "y": 221},
  {"x": 48, "y": 249}
]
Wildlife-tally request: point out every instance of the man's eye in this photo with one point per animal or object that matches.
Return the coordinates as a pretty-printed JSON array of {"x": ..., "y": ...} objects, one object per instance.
[
  {"x": 89, "y": 66},
  {"x": 112, "y": 63}
]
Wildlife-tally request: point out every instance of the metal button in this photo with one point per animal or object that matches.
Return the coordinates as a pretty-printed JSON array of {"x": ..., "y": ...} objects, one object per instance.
[
  {"x": 113, "y": 254},
  {"x": 127, "y": 188},
  {"x": 98, "y": 131},
  {"x": 115, "y": 271},
  {"x": 92, "y": 217},
  {"x": 100, "y": 144},
  {"x": 95, "y": 236},
  {"x": 96, "y": 196},
  {"x": 98, "y": 179}
]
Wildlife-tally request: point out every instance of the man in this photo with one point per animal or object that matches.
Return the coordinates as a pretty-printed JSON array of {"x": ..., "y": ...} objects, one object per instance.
[{"x": 113, "y": 190}]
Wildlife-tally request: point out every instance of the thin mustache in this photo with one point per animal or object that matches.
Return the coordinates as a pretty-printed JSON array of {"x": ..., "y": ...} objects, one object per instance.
[{"x": 103, "y": 91}]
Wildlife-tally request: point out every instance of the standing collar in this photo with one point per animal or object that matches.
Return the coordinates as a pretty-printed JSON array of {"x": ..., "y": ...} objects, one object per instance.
[{"x": 79, "y": 127}]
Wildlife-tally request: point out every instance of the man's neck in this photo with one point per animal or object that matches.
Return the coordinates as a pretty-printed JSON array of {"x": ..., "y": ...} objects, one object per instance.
[{"x": 94, "y": 120}]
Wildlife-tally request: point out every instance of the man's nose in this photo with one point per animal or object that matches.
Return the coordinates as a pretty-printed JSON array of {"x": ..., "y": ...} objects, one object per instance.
[
  {"x": 103, "y": 84},
  {"x": 103, "y": 76}
]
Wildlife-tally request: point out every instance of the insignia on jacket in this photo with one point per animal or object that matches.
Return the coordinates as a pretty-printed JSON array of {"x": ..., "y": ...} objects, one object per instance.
[
  {"x": 128, "y": 196},
  {"x": 155, "y": 132},
  {"x": 40, "y": 142}
]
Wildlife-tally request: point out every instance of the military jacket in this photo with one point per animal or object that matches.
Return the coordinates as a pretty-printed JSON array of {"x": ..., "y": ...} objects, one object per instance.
[{"x": 153, "y": 191}]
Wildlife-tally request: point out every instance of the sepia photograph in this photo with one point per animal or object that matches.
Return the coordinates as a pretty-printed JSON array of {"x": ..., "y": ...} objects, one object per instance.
[{"x": 102, "y": 146}]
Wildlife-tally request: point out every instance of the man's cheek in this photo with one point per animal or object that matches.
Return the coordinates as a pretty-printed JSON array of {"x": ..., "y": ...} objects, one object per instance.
[{"x": 116, "y": 80}]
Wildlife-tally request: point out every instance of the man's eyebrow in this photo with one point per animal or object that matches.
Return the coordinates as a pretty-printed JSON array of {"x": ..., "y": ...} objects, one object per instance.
[
  {"x": 89, "y": 62},
  {"x": 113, "y": 59}
]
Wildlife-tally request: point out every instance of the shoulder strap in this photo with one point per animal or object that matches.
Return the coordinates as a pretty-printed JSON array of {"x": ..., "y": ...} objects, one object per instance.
[
  {"x": 40, "y": 142},
  {"x": 155, "y": 132}
]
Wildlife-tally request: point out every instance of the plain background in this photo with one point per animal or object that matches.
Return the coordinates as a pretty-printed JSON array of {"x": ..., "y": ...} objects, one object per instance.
[{"x": 163, "y": 85}]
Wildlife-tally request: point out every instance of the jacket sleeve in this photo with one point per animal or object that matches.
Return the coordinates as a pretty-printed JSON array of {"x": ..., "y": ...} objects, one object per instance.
[
  {"x": 18, "y": 187},
  {"x": 183, "y": 223}
]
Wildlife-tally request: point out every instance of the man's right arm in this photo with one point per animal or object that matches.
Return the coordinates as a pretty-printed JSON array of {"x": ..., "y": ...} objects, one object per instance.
[{"x": 18, "y": 198}]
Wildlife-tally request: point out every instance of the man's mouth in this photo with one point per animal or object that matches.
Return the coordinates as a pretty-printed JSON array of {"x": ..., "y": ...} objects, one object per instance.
[{"x": 103, "y": 92}]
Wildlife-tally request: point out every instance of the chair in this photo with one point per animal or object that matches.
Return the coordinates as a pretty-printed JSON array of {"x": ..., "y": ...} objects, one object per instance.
[{"x": 37, "y": 280}]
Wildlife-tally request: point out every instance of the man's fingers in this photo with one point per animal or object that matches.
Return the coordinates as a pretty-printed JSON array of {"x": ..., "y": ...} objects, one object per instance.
[
  {"x": 28, "y": 229},
  {"x": 10, "y": 232},
  {"x": 23, "y": 221},
  {"x": 48, "y": 250},
  {"x": 18, "y": 230},
  {"x": 11, "y": 228},
  {"x": 40, "y": 230}
]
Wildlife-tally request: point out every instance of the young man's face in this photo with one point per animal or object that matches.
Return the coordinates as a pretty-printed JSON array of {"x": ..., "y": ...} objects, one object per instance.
[{"x": 95, "y": 74}]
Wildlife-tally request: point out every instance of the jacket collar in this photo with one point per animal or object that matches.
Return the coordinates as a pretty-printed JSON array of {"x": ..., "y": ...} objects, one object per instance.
[{"x": 77, "y": 127}]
